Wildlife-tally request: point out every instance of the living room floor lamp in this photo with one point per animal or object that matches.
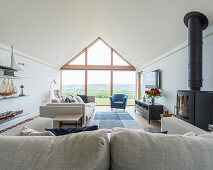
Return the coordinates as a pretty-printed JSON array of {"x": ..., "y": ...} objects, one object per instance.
[{"x": 52, "y": 82}]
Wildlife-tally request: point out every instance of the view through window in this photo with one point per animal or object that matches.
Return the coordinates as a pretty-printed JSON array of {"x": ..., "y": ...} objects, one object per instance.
[
  {"x": 99, "y": 54},
  {"x": 99, "y": 86},
  {"x": 124, "y": 83},
  {"x": 73, "y": 82},
  {"x": 92, "y": 72}
]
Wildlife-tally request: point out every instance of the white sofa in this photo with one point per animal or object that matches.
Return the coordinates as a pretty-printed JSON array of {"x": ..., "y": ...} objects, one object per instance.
[
  {"x": 177, "y": 126},
  {"x": 53, "y": 109}
]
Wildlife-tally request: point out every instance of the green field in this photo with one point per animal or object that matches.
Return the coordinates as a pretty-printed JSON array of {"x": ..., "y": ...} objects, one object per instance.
[{"x": 101, "y": 91}]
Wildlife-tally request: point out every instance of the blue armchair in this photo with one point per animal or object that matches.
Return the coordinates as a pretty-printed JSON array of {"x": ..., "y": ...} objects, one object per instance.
[{"x": 118, "y": 101}]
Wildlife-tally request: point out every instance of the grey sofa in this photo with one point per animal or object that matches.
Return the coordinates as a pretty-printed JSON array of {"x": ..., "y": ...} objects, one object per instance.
[
  {"x": 126, "y": 150},
  {"x": 53, "y": 109}
]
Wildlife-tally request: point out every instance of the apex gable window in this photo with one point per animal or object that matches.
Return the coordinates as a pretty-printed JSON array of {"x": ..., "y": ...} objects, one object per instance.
[
  {"x": 118, "y": 61},
  {"x": 80, "y": 60},
  {"x": 99, "y": 54},
  {"x": 100, "y": 71}
]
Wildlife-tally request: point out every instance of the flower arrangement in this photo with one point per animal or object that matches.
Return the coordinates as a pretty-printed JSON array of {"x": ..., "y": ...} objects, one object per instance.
[{"x": 153, "y": 93}]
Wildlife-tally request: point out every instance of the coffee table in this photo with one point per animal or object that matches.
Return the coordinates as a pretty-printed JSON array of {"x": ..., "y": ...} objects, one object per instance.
[{"x": 69, "y": 120}]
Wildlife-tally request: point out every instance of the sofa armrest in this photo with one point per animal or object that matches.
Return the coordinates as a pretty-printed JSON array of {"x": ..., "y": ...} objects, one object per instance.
[
  {"x": 177, "y": 126},
  {"x": 38, "y": 124},
  {"x": 91, "y": 99},
  {"x": 125, "y": 99},
  {"x": 112, "y": 99},
  {"x": 53, "y": 110}
]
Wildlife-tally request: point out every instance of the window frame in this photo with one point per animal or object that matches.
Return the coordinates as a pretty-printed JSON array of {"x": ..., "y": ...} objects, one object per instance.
[{"x": 87, "y": 67}]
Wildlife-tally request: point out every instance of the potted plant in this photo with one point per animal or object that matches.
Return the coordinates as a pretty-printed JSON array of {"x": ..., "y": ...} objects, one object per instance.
[{"x": 153, "y": 93}]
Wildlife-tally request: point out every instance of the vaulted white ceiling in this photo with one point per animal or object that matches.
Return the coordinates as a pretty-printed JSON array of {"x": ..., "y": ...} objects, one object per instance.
[{"x": 56, "y": 30}]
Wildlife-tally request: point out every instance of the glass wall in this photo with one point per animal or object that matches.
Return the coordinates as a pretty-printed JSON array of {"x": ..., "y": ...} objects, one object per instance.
[
  {"x": 99, "y": 85},
  {"x": 80, "y": 60},
  {"x": 118, "y": 61},
  {"x": 95, "y": 64},
  {"x": 73, "y": 82},
  {"x": 99, "y": 54},
  {"x": 124, "y": 83}
]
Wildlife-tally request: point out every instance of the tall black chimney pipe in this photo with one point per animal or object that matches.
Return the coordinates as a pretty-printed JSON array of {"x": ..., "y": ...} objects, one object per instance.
[{"x": 196, "y": 23}]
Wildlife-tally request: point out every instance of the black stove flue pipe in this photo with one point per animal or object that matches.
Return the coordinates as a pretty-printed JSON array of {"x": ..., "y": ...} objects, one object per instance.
[{"x": 196, "y": 23}]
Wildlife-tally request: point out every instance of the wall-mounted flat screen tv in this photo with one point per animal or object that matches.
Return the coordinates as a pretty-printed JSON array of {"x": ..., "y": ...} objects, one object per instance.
[{"x": 152, "y": 79}]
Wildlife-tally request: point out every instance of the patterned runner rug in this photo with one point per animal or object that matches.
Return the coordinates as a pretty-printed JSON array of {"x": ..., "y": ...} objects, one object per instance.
[{"x": 109, "y": 120}]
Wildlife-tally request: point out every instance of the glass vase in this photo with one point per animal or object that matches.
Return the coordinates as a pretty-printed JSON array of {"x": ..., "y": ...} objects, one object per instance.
[{"x": 153, "y": 101}]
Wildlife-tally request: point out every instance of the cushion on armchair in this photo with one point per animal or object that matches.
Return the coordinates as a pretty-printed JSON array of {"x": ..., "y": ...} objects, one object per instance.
[{"x": 118, "y": 102}]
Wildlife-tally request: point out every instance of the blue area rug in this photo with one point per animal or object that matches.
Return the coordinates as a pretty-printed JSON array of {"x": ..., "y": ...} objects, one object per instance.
[{"x": 109, "y": 120}]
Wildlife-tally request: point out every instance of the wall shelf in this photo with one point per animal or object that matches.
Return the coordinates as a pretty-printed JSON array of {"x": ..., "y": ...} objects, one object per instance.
[
  {"x": 10, "y": 77},
  {"x": 8, "y": 68},
  {"x": 13, "y": 118},
  {"x": 6, "y": 98}
]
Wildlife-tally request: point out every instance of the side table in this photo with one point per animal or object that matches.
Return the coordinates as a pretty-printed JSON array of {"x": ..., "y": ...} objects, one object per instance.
[{"x": 69, "y": 120}]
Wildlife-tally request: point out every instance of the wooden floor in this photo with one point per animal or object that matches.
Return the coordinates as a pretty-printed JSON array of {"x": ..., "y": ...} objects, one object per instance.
[{"x": 131, "y": 110}]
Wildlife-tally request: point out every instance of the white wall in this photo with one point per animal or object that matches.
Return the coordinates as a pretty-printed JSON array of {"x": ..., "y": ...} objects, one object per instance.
[
  {"x": 38, "y": 76},
  {"x": 174, "y": 73}
]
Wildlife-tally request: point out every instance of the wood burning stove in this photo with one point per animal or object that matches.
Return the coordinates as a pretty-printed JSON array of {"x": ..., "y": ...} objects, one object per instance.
[{"x": 195, "y": 106}]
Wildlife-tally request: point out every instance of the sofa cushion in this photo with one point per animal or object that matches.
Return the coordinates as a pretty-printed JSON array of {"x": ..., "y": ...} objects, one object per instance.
[
  {"x": 79, "y": 99},
  {"x": 55, "y": 101},
  {"x": 75, "y": 100},
  {"x": 86, "y": 150},
  {"x": 118, "y": 102},
  {"x": 84, "y": 98},
  {"x": 30, "y": 132},
  {"x": 65, "y": 131},
  {"x": 68, "y": 100},
  {"x": 143, "y": 150}
]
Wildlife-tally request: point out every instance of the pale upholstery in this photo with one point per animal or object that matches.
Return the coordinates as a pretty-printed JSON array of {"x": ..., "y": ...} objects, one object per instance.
[
  {"x": 38, "y": 124},
  {"x": 177, "y": 126},
  {"x": 26, "y": 131},
  {"x": 91, "y": 99},
  {"x": 87, "y": 109},
  {"x": 53, "y": 110},
  {"x": 91, "y": 104},
  {"x": 79, "y": 151},
  {"x": 56, "y": 97},
  {"x": 143, "y": 150},
  {"x": 57, "y": 94}
]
